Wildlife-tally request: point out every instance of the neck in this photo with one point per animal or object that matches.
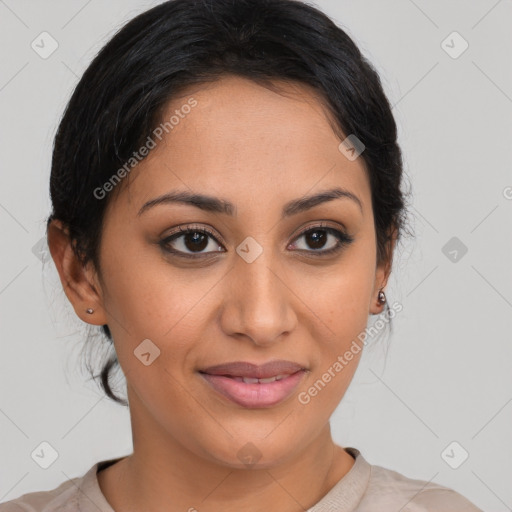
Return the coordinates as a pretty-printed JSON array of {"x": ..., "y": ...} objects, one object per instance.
[{"x": 163, "y": 474}]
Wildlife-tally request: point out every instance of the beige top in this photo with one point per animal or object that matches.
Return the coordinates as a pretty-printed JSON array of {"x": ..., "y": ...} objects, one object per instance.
[{"x": 365, "y": 488}]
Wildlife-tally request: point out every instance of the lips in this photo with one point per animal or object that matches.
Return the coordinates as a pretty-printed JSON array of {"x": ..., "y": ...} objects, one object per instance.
[
  {"x": 254, "y": 386},
  {"x": 277, "y": 368}
]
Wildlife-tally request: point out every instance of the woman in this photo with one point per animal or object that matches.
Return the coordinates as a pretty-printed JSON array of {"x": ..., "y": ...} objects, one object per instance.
[{"x": 226, "y": 190}]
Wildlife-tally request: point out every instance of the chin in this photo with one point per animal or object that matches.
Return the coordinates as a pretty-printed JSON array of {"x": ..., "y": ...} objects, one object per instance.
[{"x": 242, "y": 453}]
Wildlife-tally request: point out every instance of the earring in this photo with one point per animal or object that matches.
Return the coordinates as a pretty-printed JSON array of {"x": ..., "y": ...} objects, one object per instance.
[
  {"x": 90, "y": 311},
  {"x": 382, "y": 297}
]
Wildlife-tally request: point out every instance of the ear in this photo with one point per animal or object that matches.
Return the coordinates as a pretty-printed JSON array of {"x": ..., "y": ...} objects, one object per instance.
[
  {"x": 80, "y": 283},
  {"x": 382, "y": 274}
]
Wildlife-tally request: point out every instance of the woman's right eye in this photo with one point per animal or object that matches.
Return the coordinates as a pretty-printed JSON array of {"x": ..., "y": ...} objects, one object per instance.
[{"x": 194, "y": 240}]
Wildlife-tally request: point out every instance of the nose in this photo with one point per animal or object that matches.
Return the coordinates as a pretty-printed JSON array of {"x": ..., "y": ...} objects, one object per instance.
[{"x": 258, "y": 302}]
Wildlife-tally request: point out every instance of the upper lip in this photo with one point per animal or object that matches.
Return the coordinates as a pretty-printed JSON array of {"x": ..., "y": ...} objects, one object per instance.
[{"x": 246, "y": 369}]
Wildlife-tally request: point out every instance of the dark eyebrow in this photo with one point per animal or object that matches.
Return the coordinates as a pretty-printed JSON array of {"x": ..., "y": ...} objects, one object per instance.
[
  {"x": 305, "y": 203},
  {"x": 216, "y": 205},
  {"x": 207, "y": 203}
]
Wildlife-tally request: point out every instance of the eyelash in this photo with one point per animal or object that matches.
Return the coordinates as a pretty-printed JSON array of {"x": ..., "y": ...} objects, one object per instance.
[{"x": 344, "y": 240}]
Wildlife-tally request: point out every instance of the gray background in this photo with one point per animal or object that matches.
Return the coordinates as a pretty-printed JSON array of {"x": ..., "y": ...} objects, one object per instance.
[{"x": 446, "y": 376}]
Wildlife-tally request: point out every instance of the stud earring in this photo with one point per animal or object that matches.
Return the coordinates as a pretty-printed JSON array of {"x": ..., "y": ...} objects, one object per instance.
[
  {"x": 90, "y": 311},
  {"x": 382, "y": 297}
]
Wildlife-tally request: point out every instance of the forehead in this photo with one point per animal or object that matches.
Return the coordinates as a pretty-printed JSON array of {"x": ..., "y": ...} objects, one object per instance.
[{"x": 246, "y": 142}]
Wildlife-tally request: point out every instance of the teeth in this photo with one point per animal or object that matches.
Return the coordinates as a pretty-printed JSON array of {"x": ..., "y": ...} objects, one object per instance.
[
  {"x": 267, "y": 380},
  {"x": 252, "y": 380}
]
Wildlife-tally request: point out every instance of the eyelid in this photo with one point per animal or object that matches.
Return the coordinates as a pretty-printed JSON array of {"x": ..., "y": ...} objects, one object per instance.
[
  {"x": 321, "y": 225},
  {"x": 188, "y": 228}
]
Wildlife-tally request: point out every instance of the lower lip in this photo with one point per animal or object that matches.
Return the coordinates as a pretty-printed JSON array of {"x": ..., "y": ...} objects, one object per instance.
[{"x": 255, "y": 395}]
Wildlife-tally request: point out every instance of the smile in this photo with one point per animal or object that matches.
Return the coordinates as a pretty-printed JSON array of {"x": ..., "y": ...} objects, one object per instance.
[{"x": 252, "y": 392}]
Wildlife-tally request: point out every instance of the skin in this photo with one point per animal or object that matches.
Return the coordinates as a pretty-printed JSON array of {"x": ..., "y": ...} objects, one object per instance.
[{"x": 258, "y": 149}]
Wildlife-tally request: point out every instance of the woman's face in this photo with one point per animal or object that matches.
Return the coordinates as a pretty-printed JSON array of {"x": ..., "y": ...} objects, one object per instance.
[{"x": 255, "y": 290}]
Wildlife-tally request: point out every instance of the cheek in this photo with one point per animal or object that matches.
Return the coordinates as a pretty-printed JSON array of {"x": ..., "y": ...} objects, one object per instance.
[
  {"x": 342, "y": 298},
  {"x": 147, "y": 296},
  {"x": 342, "y": 303}
]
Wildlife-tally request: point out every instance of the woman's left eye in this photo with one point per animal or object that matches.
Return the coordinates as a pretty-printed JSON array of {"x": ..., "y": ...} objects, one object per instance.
[
  {"x": 196, "y": 240},
  {"x": 319, "y": 236}
]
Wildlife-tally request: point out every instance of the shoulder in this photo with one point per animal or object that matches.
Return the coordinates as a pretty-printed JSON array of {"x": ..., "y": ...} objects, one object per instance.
[
  {"x": 388, "y": 488},
  {"x": 63, "y": 498}
]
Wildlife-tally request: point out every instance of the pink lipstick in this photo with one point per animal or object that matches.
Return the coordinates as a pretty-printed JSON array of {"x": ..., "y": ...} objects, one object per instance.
[{"x": 255, "y": 386}]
